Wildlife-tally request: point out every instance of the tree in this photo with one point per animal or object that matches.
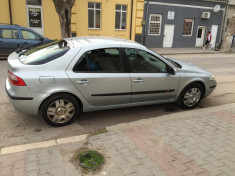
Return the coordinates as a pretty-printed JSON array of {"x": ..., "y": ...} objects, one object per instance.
[
  {"x": 230, "y": 32},
  {"x": 64, "y": 9}
]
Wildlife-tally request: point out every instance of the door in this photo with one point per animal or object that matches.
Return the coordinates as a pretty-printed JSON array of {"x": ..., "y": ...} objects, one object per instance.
[
  {"x": 99, "y": 77},
  {"x": 200, "y": 36},
  {"x": 29, "y": 37},
  {"x": 9, "y": 41},
  {"x": 168, "y": 35},
  {"x": 150, "y": 78},
  {"x": 35, "y": 18},
  {"x": 214, "y": 30}
]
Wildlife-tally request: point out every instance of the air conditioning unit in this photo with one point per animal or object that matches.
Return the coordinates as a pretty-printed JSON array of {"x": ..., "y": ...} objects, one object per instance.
[{"x": 206, "y": 15}]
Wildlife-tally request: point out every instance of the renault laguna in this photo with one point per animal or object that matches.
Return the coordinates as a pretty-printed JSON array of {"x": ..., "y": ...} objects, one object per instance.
[{"x": 60, "y": 79}]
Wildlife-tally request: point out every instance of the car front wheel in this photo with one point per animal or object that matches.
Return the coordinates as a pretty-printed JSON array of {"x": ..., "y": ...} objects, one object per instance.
[
  {"x": 191, "y": 96},
  {"x": 60, "y": 110}
]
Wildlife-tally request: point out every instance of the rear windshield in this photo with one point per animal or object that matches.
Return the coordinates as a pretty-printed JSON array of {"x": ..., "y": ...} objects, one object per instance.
[{"x": 44, "y": 53}]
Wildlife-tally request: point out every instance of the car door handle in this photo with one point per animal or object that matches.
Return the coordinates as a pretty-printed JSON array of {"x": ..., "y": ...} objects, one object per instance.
[
  {"x": 139, "y": 80},
  {"x": 25, "y": 42},
  {"x": 83, "y": 82}
]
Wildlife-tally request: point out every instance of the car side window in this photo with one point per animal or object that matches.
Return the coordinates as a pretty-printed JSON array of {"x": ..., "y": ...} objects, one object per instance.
[
  {"x": 106, "y": 60},
  {"x": 9, "y": 34},
  {"x": 27, "y": 35},
  {"x": 144, "y": 62}
]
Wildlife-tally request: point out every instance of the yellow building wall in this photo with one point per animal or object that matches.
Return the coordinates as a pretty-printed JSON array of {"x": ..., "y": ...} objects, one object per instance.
[
  {"x": 50, "y": 20},
  {"x": 4, "y": 12},
  {"x": 107, "y": 19},
  {"x": 19, "y": 13},
  {"x": 18, "y": 9},
  {"x": 137, "y": 17},
  {"x": 79, "y": 20}
]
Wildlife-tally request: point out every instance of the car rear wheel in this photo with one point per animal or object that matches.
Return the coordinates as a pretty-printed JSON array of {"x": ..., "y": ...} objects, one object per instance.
[
  {"x": 190, "y": 96},
  {"x": 60, "y": 110}
]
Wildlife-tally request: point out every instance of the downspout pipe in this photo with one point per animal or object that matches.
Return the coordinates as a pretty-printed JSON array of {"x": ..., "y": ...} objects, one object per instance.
[
  {"x": 131, "y": 18},
  {"x": 10, "y": 12}
]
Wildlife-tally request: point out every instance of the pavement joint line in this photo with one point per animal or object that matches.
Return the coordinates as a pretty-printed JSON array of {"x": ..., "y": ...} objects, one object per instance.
[{"x": 44, "y": 144}]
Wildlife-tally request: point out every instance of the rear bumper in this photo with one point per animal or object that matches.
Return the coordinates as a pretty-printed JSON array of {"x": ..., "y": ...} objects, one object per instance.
[{"x": 23, "y": 100}]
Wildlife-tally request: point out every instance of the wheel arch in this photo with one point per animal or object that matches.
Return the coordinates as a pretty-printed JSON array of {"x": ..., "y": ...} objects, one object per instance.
[
  {"x": 56, "y": 93},
  {"x": 200, "y": 82}
]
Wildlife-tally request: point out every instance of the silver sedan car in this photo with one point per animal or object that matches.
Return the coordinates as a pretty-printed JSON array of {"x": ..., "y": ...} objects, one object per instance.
[{"x": 61, "y": 79}]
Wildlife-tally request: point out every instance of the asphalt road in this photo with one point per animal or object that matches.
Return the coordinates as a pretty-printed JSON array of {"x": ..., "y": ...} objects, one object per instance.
[{"x": 17, "y": 128}]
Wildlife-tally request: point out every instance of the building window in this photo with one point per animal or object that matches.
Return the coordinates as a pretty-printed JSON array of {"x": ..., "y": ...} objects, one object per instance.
[
  {"x": 188, "y": 27},
  {"x": 155, "y": 21},
  {"x": 34, "y": 2},
  {"x": 94, "y": 11},
  {"x": 120, "y": 21}
]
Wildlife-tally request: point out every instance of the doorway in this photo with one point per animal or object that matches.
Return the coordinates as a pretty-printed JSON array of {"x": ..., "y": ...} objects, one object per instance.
[
  {"x": 200, "y": 36},
  {"x": 214, "y": 30},
  {"x": 35, "y": 15},
  {"x": 168, "y": 35}
]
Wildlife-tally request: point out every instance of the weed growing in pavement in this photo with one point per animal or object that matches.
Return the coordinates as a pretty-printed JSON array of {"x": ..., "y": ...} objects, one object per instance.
[
  {"x": 90, "y": 160},
  {"x": 99, "y": 132}
]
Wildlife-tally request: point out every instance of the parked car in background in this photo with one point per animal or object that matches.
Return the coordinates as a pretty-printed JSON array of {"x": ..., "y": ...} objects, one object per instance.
[
  {"x": 13, "y": 37},
  {"x": 94, "y": 73}
]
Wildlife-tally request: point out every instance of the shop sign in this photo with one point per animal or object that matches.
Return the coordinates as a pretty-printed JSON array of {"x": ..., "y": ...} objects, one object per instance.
[
  {"x": 35, "y": 19},
  {"x": 171, "y": 15}
]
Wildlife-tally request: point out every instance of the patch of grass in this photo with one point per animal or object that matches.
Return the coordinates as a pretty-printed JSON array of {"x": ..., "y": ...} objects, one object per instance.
[
  {"x": 99, "y": 132},
  {"x": 90, "y": 160},
  {"x": 229, "y": 51}
]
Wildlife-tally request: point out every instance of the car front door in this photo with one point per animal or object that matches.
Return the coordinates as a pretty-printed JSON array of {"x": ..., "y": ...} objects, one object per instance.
[
  {"x": 29, "y": 38},
  {"x": 99, "y": 76},
  {"x": 151, "y": 78},
  {"x": 9, "y": 41}
]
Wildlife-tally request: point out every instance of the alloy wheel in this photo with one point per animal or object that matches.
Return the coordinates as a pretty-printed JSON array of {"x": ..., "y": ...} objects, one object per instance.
[
  {"x": 192, "y": 97},
  {"x": 60, "y": 111}
]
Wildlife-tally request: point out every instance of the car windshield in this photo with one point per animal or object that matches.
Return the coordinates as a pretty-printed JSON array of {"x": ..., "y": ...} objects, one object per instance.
[{"x": 44, "y": 53}]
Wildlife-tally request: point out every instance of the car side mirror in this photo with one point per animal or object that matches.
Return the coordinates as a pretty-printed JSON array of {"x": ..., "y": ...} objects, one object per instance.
[
  {"x": 172, "y": 71},
  {"x": 41, "y": 39}
]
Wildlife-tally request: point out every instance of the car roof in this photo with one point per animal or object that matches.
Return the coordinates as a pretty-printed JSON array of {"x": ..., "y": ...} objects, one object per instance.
[
  {"x": 15, "y": 26},
  {"x": 99, "y": 41},
  {"x": 11, "y": 26}
]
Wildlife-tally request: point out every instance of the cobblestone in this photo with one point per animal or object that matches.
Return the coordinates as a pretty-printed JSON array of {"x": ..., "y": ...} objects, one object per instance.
[{"x": 200, "y": 144}]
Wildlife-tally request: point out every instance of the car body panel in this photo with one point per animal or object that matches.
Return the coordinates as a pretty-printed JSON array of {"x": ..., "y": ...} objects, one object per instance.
[{"x": 155, "y": 86}]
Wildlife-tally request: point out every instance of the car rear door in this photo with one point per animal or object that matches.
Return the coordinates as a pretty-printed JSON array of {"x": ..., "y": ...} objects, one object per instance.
[
  {"x": 9, "y": 41},
  {"x": 100, "y": 77},
  {"x": 151, "y": 80}
]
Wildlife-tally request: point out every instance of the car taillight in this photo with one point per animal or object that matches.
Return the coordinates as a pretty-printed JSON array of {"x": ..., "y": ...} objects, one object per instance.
[{"x": 15, "y": 80}]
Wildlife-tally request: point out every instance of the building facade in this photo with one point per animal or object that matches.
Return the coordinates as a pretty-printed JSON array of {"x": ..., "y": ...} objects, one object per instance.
[
  {"x": 181, "y": 23},
  {"x": 117, "y": 18}
]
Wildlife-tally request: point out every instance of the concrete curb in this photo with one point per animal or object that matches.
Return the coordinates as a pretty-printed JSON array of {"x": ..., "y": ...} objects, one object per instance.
[
  {"x": 157, "y": 120},
  {"x": 44, "y": 144},
  {"x": 209, "y": 52}
]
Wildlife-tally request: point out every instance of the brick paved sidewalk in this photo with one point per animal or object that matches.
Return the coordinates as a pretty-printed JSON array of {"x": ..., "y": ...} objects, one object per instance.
[{"x": 193, "y": 143}]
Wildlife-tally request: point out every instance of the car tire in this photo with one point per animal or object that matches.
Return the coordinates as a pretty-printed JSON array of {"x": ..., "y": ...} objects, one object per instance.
[
  {"x": 60, "y": 109},
  {"x": 190, "y": 96}
]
